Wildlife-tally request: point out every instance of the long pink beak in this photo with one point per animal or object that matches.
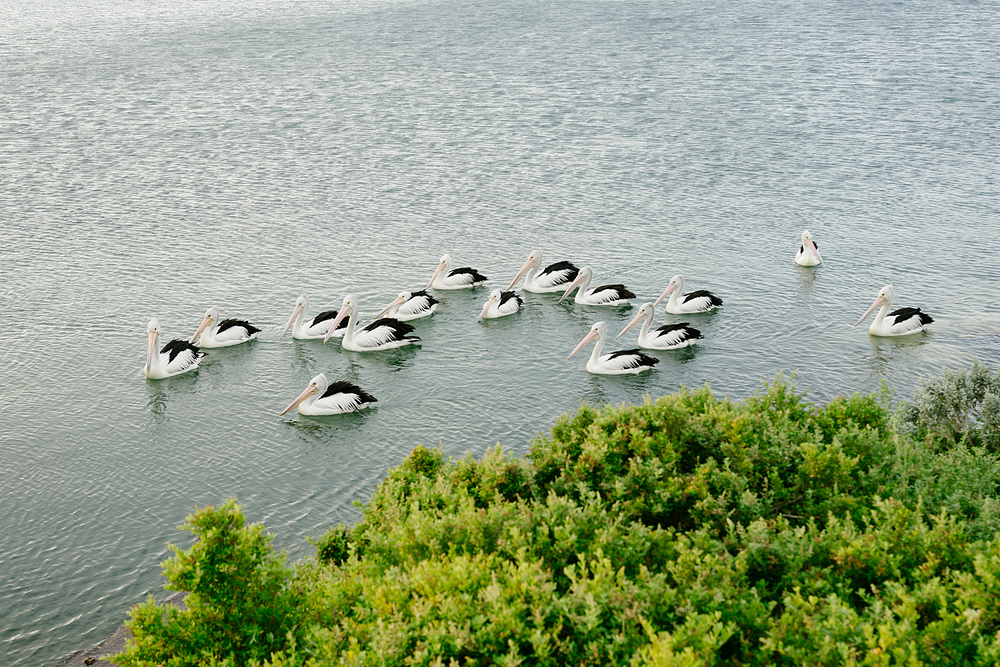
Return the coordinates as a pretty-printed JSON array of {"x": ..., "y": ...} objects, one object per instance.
[
  {"x": 437, "y": 272},
  {"x": 572, "y": 286},
  {"x": 812, "y": 246},
  {"x": 670, "y": 288},
  {"x": 291, "y": 320},
  {"x": 204, "y": 323},
  {"x": 333, "y": 327},
  {"x": 301, "y": 397},
  {"x": 398, "y": 301},
  {"x": 489, "y": 302},
  {"x": 878, "y": 302},
  {"x": 635, "y": 321},
  {"x": 520, "y": 274},
  {"x": 586, "y": 339},
  {"x": 150, "y": 351}
]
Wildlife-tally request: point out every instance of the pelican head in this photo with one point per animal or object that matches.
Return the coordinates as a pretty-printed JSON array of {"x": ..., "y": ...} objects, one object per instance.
[
  {"x": 884, "y": 298},
  {"x": 645, "y": 310},
  {"x": 317, "y": 385},
  {"x": 534, "y": 261},
  {"x": 153, "y": 332},
  {"x": 494, "y": 297},
  {"x": 676, "y": 284},
  {"x": 345, "y": 310},
  {"x": 443, "y": 264},
  {"x": 211, "y": 315},
  {"x": 598, "y": 331},
  {"x": 398, "y": 301},
  {"x": 301, "y": 306},
  {"x": 585, "y": 274}
]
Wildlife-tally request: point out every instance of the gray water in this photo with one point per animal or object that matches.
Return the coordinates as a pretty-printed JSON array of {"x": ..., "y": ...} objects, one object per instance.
[{"x": 159, "y": 158}]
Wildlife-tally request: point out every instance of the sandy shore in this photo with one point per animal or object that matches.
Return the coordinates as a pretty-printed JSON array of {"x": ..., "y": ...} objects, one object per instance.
[{"x": 112, "y": 644}]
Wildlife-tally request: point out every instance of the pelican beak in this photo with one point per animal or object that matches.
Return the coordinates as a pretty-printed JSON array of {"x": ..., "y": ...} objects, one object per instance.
[
  {"x": 878, "y": 302},
  {"x": 670, "y": 288},
  {"x": 635, "y": 321},
  {"x": 398, "y": 301},
  {"x": 341, "y": 314},
  {"x": 489, "y": 302},
  {"x": 311, "y": 389},
  {"x": 586, "y": 339},
  {"x": 150, "y": 351},
  {"x": 437, "y": 272},
  {"x": 291, "y": 320},
  {"x": 572, "y": 286},
  {"x": 520, "y": 274},
  {"x": 204, "y": 323},
  {"x": 812, "y": 246}
]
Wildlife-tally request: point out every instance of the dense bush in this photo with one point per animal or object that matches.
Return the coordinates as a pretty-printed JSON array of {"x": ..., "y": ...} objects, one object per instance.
[{"x": 685, "y": 531}]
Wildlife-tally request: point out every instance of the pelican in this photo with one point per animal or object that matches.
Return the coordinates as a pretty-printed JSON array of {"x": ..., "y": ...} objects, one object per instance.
[
  {"x": 321, "y": 398},
  {"x": 178, "y": 356},
  {"x": 604, "y": 295},
  {"x": 382, "y": 334},
  {"x": 410, "y": 306},
  {"x": 454, "y": 278},
  {"x": 900, "y": 322},
  {"x": 692, "y": 302},
  {"x": 500, "y": 304},
  {"x": 306, "y": 329},
  {"x": 666, "y": 337},
  {"x": 616, "y": 363},
  {"x": 553, "y": 278},
  {"x": 808, "y": 254},
  {"x": 216, "y": 333}
]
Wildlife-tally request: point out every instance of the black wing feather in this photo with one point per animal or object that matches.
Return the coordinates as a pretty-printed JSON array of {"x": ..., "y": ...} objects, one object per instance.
[
  {"x": 906, "y": 313},
  {"x": 345, "y": 387},
  {"x": 229, "y": 324},
  {"x": 507, "y": 296},
  {"x": 714, "y": 300},
  {"x": 668, "y": 328},
  {"x": 402, "y": 329},
  {"x": 423, "y": 293},
  {"x": 642, "y": 359},
  {"x": 176, "y": 346},
  {"x": 618, "y": 287},
  {"x": 561, "y": 266},
  {"x": 476, "y": 276},
  {"x": 328, "y": 315}
]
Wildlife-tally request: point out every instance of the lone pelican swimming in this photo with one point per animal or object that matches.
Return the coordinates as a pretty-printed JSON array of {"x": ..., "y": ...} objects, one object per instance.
[
  {"x": 178, "y": 356},
  {"x": 445, "y": 277},
  {"x": 553, "y": 278},
  {"x": 901, "y": 322},
  {"x": 808, "y": 254},
  {"x": 666, "y": 337},
  {"x": 224, "y": 333},
  {"x": 622, "y": 362},
  {"x": 699, "y": 301},
  {"x": 321, "y": 398}
]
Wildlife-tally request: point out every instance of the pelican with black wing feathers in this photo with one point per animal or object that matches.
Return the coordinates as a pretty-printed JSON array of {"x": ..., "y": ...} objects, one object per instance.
[
  {"x": 698, "y": 301},
  {"x": 500, "y": 304},
  {"x": 808, "y": 254},
  {"x": 178, "y": 356},
  {"x": 410, "y": 306},
  {"x": 322, "y": 398},
  {"x": 622, "y": 362},
  {"x": 553, "y": 278},
  {"x": 602, "y": 295},
  {"x": 445, "y": 277},
  {"x": 314, "y": 328},
  {"x": 382, "y": 334},
  {"x": 666, "y": 337},
  {"x": 214, "y": 332},
  {"x": 902, "y": 322}
]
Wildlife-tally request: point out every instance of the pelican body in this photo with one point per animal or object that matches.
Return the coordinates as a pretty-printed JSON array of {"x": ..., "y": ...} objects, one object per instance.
[
  {"x": 622, "y": 362},
  {"x": 666, "y": 337},
  {"x": 603, "y": 295},
  {"x": 322, "y": 398},
  {"x": 310, "y": 329},
  {"x": 382, "y": 334},
  {"x": 699, "y": 301},
  {"x": 901, "y": 322},
  {"x": 808, "y": 254},
  {"x": 501, "y": 304},
  {"x": 177, "y": 357},
  {"x": 214, "y": 332},
  {"x": 446, "y": 277},
  {"x": 553, "y": 278},
  {"x": 410, "y": 306}
]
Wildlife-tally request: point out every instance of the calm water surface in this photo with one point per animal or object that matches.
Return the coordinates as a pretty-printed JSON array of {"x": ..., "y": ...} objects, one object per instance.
[{"x": 156, "y": 159}]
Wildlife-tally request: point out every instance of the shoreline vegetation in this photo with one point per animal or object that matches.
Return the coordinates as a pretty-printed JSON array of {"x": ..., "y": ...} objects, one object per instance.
[{"x": 688, "y": 530}]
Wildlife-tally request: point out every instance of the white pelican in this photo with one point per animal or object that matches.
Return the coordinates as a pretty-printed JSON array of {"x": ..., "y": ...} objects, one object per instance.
[
  {"x": 616, "y": 363},
  {"x": 321, "y": 398},
  {"x": 446, "y": 277},
  {"x": 692, "y": 302},
  {"x": 666, "y": 337},
  {"x": 310, "y": 329},
  {"x": 410, "y": 306},
  {"x": 216, "y": 333},
  {"x": 500, "y": 304},
  {"x": 178, "y": 356},
  {"x": 553, "y": 278},
  {"x": 603, "y": 295},
  {"x": 382, "y": 334},
  {"x": 808, "y": 254},
  {"x": 900, "y": 322}
]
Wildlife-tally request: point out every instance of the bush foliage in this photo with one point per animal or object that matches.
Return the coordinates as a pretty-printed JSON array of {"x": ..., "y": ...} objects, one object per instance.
[{"x": 687, "y": 530}]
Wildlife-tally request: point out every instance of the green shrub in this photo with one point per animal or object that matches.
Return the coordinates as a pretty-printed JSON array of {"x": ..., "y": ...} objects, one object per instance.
[{"x": 962, "y": 406}]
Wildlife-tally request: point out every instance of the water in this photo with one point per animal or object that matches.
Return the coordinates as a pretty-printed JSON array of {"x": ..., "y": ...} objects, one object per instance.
[{"x": 156, "y": 159}]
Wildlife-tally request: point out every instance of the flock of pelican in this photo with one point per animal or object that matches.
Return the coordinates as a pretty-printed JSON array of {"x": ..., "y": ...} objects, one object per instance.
[{"x": 390, "y": 330}]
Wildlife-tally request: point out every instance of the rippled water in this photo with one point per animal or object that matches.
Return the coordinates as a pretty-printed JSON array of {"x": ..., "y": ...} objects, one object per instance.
[{"x": 159, "y": 158}]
